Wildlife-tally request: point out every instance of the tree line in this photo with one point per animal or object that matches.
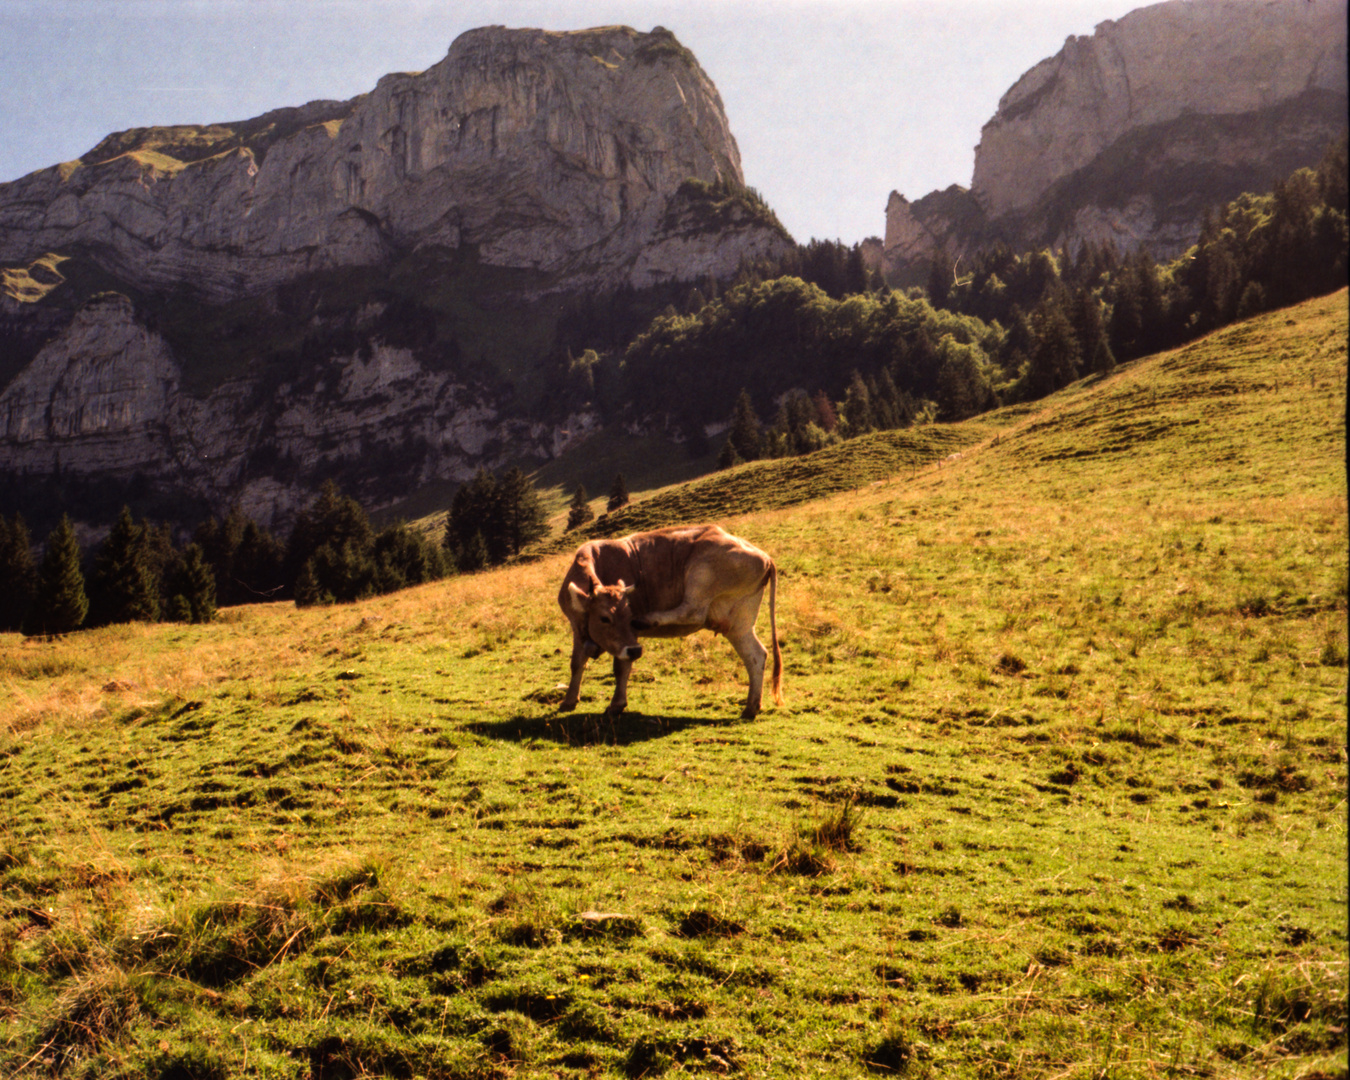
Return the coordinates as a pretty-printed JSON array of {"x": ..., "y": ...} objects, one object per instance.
[
  {"x": 1067, "y": 315},
  {"x": 813, "y": 340},
  {"x": 990, "y": 329},
  {"x": 138, "y": 573}
]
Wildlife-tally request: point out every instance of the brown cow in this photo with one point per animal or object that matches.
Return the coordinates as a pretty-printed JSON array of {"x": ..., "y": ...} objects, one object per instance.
[{"x": 668, "y": 583}]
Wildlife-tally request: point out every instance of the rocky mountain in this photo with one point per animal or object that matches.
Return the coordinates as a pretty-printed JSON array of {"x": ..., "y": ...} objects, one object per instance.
[
  {"x": 231, "y": 312},
  {"x": 1131, "y": 134}
]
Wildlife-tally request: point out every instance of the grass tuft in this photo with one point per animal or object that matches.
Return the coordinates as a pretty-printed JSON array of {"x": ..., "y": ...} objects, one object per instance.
[
  {"x": 895, "y": 1054},
  {"x": 98, "y": 1009}
]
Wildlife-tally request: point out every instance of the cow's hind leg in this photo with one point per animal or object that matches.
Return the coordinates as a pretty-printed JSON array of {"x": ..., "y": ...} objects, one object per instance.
[
  {"x": 752, "y": 653},
  {"x": 739, "y": 628},
  {"x": 699, "y": 590}
]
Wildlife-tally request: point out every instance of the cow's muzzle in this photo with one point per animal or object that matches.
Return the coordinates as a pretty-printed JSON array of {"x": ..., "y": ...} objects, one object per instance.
[{"x": 631, "y": 652}]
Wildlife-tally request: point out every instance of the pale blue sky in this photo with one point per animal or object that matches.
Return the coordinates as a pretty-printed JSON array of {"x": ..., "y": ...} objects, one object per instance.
[{"x": 834, "y": 103}]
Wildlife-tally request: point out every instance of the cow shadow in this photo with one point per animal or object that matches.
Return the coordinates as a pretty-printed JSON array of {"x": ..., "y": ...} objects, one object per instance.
[{"x": 595, "y": 729}]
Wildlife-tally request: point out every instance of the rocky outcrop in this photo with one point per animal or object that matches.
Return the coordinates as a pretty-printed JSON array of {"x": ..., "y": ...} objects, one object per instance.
[
  {"x": 944, "y": 219},
  {"x": 105, "y": 399},
  {"x": 232, "y": 313},
  {"x": 1130, "y": 134},
  {"x": 556, "y": 152}
]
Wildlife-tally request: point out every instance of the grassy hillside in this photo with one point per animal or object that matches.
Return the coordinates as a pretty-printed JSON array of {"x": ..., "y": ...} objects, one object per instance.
[
  {"x": 746, "y": 489},
  {"x": 1059, "y": 788}
]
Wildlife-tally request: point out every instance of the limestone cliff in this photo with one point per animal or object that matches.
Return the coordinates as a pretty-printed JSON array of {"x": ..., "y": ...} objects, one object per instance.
[
  {"x": 1130, "y": 134},
  {"x": 556, "y": 152},
  {"x": 105, "y": 399},
  {"x": 231, "y": 312}
]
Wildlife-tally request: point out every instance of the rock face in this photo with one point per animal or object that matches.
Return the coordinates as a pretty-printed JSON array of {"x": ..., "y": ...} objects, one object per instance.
[
  {"x": 341, "y": 282},
  {"x": 104, "y": 398},
  {"x": 1131, "y": 133},
  {"x": 556, "y": 152}
]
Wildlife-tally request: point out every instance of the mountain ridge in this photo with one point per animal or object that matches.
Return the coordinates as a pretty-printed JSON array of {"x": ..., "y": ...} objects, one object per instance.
[
  {"x": 434, "y": 227},
  {"x": 549, "y": 151},
  {"x": 1129, "y": 135}
]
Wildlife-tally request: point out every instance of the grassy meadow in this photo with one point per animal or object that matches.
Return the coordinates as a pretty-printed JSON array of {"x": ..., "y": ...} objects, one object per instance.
[{"x": 1059, "y": 789}]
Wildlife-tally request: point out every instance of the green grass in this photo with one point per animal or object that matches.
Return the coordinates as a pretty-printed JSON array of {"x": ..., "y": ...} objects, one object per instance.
[
  {"x": 1058, "y": 791},
  {"x": 762, "y": 485}
]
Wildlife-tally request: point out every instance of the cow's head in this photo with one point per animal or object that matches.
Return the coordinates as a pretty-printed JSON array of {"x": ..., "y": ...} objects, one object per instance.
[{"x": 607, "y": 619}]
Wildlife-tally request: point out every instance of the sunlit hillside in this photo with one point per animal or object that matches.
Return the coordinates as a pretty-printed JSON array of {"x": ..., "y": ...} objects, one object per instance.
[{"x": 1058, "y": 789}]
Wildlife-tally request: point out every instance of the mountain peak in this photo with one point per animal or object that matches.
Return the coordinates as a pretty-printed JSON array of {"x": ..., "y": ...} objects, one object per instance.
[{"x": 1130, "y": 134}]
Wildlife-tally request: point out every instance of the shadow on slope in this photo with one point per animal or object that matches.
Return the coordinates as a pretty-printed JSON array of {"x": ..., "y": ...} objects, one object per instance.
[{"x": 595, "y": 729}]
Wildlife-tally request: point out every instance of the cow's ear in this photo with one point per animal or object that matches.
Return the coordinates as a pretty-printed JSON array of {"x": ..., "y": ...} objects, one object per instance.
[
  {"x": 580, "y": 597},
  {"x": 626, "y": 589}
]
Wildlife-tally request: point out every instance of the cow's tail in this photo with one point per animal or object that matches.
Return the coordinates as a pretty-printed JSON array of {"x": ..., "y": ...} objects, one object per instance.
[{"x": 773, "y": 632}]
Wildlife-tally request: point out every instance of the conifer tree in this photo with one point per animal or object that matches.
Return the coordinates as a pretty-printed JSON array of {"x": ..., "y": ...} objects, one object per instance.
[
  {"x": 403, "y": 557},
  {"x": 962, "y": 387},
  {"x": 245, "y": 559},
  {"x": 856, "y": 277},
  {"x": 618, "y": 493},
  {"x": 307, "y": 589},
  {"x": 1211, "y": 277},
  {"x": 1085, "y": 316},
  {"x": 59, "y": 601},
  {"x": 1126, "y": 322},
  {"x": 18, "y": 572},
  {"x": 1154, "y": 332},
  {"x": 520, "y": 515},
  {"x": 1055, "y": 353},
  {"x": 345, "y": 572},
  {"x": 192, "y": 588},
  {"x": 474, "y": 555},
  {"x": 1252, "y": 302},
  {"x": 856, "y": 411},
  {"x": 123, "y": 586},
  {"x": 162, "y": 558},
  {"x": 728, "y": 457},
  {"x": 257, "y": 569},
  {"x": 333, "y": 519},
  {"x": 506, "y": 515},
  {"x": 940, "y": 277},
  {"x": 334, "y": 537},
  {"x": 889, "y": 408},
  {"x": 580, "y": 511},
  {"x": 470, "y": 513},
  {"x": 744, "y": 436}
]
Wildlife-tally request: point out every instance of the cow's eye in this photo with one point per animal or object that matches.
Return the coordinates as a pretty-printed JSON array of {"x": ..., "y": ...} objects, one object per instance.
[{"x": 606, "y": 619}]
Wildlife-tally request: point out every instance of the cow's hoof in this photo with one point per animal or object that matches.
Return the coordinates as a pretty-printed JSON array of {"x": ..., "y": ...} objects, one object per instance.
[
  {"x": 748, "y": 713},
  {"x": 567, "y": 706},
  {"x": 615, "y": 711}
]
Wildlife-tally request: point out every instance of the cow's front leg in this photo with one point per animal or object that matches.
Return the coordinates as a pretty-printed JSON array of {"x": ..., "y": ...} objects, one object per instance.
[
  {"x": 619, "y": 702},
  {"x": 580, "y": 654}
]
